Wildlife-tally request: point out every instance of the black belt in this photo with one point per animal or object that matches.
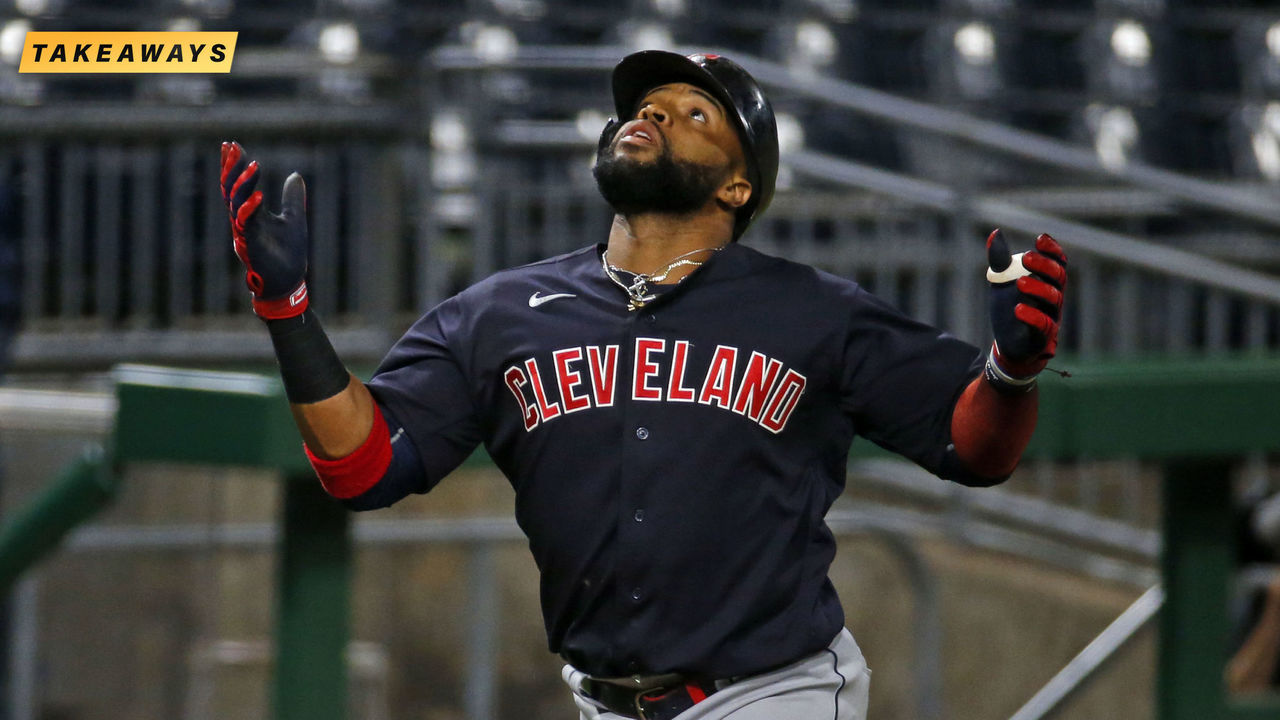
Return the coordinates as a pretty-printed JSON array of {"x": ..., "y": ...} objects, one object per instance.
[{"x": 660, "y": 703}]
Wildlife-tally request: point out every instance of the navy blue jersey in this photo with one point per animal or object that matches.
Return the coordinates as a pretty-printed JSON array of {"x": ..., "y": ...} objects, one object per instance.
[{"x": 673, "y": 465}]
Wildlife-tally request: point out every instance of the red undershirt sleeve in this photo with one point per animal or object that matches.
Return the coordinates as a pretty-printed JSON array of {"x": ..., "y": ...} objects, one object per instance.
[
  {"x": 991, "y": 429},
  {"x": 347, "y": 477}
]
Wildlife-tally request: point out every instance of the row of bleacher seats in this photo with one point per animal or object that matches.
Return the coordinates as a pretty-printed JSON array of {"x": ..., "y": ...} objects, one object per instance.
[
  {"x": 833, "y": 7},
  {"x": 1024, "y": 50},
  {"x": 1187, "y": 88},
  {"x": 1189, "y": 83},
  {"x": 1029, "y": 47}
]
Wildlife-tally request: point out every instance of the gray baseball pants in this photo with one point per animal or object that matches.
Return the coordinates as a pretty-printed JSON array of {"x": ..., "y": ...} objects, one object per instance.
[{"x": 829, "y": 685}]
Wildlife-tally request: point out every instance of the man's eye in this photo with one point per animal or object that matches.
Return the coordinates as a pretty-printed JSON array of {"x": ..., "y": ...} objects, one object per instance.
[{"x": 698, "y": 115}]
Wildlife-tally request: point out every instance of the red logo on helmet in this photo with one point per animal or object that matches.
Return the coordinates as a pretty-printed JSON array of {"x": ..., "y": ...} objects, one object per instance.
[{"x": 711, "y": 57}]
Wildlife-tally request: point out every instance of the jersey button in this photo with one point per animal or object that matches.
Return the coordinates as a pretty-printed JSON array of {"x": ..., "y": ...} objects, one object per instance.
[
  {"x": 639, "y": 516},
  {"x": 635, "y": 595},
  {"x": 642, "y": 433},
  {"x": 650, "y": 318}
]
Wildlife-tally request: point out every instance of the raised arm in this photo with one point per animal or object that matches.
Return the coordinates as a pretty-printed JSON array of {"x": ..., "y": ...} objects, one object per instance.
[
  {"x": 333, "y": 410},
  {"x": 996, "y": 414}
]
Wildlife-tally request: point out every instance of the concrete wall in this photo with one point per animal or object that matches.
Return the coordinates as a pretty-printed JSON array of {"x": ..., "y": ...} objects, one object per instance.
[{"x": 117, "y": 632}]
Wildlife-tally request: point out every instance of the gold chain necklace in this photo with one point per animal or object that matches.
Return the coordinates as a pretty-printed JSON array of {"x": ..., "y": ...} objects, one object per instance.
[{"x": 638, "y": 294}]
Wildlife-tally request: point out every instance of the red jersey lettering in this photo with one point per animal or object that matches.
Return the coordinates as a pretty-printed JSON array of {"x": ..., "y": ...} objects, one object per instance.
[
  {"x": 767, "y": 392},
  {"x": 604, "y": 370},
  {"x": 783, "y": 402},
  {"x": 757, "y": 383},
  {"x": 514, "y": 378},
  {"x": 717, "y": 388},
  {"x": 645, "y": 368},
  {"x": 548, "y": 410},
  {"x": 570, "y": 379},
  {"x": 676, "y": 391}
]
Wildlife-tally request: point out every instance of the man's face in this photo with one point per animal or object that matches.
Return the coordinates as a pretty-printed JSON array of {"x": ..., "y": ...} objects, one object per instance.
[{"x": 674, "y": 156}]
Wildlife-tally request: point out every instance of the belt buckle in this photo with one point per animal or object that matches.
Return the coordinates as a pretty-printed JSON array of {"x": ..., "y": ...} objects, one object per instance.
[
  {"x": 664, "y": 702},
  {"x": 640, "y": 713}
]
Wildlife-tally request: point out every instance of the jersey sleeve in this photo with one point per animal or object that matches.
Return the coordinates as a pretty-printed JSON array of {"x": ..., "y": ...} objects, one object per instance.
[
  {"x": 423, "y": 385},
  {"x": 901, "y": 381},
  {"x": 402, "y": 477}
]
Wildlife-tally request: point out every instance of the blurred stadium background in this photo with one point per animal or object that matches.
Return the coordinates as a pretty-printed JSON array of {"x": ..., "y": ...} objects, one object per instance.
[{"x": 444, "y": 140}]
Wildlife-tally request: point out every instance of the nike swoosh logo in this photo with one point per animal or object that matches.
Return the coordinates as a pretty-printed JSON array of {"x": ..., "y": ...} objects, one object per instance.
[{"x": 535, "y": 300}]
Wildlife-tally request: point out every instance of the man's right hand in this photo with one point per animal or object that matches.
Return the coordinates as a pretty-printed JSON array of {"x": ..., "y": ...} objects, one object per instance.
[{"x": 272, "y": 247}]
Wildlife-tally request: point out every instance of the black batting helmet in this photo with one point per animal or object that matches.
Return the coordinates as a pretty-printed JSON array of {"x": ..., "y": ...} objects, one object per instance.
[{"x": 736, "y": 90}]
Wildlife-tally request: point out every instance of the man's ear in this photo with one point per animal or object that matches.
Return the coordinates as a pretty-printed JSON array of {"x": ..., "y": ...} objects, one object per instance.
[{"x": 735, "y": 192}]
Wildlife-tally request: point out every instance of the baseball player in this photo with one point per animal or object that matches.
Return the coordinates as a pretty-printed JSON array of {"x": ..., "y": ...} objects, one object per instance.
[{"x": 673, "y": 408}]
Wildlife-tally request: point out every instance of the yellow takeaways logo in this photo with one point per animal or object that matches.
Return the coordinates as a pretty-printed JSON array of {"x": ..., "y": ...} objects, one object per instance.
[{"x": 128, "y": 52}]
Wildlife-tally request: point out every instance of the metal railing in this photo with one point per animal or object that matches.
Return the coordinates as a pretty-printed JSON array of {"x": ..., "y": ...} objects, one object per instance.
[
  {"x": 898, "y": 529},
  {"x": 125, "y": 254},
  {"x": 1123, "y": 531},
  {"x": 1093, "y": 656},
  {"x": 927, "y": 117},
  {"x": 1000, "y": 527},
  {"x": 912, "y": 240},
  {"x": 125, "y": 248}
]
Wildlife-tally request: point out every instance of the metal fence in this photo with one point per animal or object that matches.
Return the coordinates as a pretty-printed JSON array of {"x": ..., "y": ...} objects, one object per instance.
[
  {"x": 125, "y": 256},
  {"x": 125, "y": 247},
  {"x": 215, "y": 551},
  {"x": 124, "y": 252}
]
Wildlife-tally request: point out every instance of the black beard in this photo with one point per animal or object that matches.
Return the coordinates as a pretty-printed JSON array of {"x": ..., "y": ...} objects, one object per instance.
[{"x": 664, "y": 185}]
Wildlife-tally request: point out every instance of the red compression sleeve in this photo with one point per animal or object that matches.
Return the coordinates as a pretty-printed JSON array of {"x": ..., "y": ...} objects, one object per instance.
[
  {"x": 347, "y": 477},
  {"x": 990, "y": 429}
]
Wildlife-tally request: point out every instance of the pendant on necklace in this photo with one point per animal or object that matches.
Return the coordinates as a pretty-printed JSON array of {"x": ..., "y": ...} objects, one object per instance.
[{"x": 636, "y": 293}]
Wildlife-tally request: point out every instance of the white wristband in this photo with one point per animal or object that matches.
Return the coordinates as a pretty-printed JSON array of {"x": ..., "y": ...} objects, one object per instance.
[{"x": 997, "y": 375}]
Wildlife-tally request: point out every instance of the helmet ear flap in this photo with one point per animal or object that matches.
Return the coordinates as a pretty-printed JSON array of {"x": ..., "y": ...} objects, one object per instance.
[{"x": 606, "y": 136}]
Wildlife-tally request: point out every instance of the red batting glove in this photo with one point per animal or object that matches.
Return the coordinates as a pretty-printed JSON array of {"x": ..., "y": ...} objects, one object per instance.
[
  {"x": 273, "y": 248},
  {"x": 1026, "y": 307}
]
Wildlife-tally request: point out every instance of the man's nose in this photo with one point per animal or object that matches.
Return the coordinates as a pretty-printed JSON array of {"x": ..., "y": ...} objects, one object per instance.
[{"x": 654, "y": 114}]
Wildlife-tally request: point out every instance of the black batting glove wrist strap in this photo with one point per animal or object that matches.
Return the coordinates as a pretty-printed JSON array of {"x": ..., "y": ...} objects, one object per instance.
[{"x": 309, "y": 366}]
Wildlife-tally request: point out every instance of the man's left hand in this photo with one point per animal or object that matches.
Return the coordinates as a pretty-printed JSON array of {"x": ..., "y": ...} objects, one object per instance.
[{"x": 1025, "y": 305}]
